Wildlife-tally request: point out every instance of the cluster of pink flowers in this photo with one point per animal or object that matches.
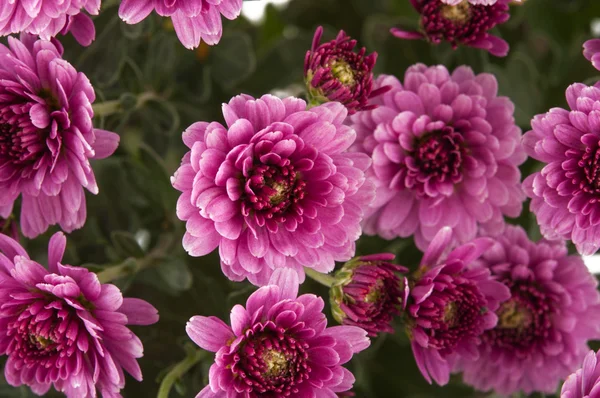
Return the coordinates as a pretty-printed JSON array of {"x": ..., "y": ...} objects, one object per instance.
[{"x": 284, "y": 188}]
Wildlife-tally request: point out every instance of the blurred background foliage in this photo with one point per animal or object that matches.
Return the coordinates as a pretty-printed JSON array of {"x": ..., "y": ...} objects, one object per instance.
[{"x": 160, "y": 88}]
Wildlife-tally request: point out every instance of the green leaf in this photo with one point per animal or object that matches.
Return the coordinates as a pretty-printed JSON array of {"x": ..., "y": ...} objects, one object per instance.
[
  {"x": 233, "y": 60},
  {"x": 126, "y": 245},
  {"x": 175, "y": 273}
]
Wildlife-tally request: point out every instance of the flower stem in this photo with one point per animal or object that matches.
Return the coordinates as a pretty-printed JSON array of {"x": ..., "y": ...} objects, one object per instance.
[
  {"x": 323, "y": 279},
  {"x": 178, "y": 371},
  {"x": 126, "y": 102},
  {"x": 132, "y": 265}
]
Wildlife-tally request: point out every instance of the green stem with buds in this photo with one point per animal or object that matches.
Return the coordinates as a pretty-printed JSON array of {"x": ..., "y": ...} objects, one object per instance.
[
  {"x": 178, "y": 371},
  {"x": 132, "y": 265},
  {"x": 323, "y": 279}
]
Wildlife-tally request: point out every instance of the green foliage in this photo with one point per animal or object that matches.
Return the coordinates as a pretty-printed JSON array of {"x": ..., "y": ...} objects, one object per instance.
[{"x": 162, "y": 88}]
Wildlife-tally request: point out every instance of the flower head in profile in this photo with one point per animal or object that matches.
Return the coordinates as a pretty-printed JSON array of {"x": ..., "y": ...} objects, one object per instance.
[
  {"x": 335, "y": 72},
  {"x": 449, "y": 305},
  {"x": 544, "y": 327},
  {"x": 591, "y": 51},
  {"x": 585, "y": 382},
  {"x": 278, "y": 345},
  {"x": 460, "y": 23},
  {"x": 46, "y": 136},
  {"x": 193, "y": 20},
  {"x": 48, "y": 18},
  {"x": 445, "y": 152},
  {"x": 564, "y": 194},
  {"x": 368, "y": 293},
  {"x": 61, "y": 327},
  {"x": 275, "y": 188}
]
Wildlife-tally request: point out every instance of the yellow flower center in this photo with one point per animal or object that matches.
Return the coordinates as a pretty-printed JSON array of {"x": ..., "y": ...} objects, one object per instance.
[
  {"x": 512, "y": 316},
  {"x": 459, "y": 13},
  {"x": 343, "y": 72},
  {"x": 277, "y": 363}
]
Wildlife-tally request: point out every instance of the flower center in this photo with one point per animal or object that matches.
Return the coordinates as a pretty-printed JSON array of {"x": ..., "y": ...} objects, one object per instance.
[
  {"x": 272, "y": 191},
  {"x": 376, "y": 292},
  {"x": 462, "y": 23},
  {"x": 453, "y": 314},
  {"x": 269, "y": 362},
  {"x": 40, "y": 341},
  {"x": 450, "y": 314},
  {"x": 524, "y": 321},
  {"x": 343, "y": 72},
  {"x": 436, "y": 163},
  {"x": 512, "y": 316},
  {"x": 18, "y": 146},
  {"x": 459, "y": 13},
  {"x": 590, "y": 163},
  {"x": 277, "y": 364}
]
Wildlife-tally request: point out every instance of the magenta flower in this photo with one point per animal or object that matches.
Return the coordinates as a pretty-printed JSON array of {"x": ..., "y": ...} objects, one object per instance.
[
  {"x": 277, "y": 346},
  {"x": 474, "y": 2},
  {"x": 591, "y": 51},
  {"x": 368, "y": 293},
  {"x": 48, "y": 18},
  {"x": 275, "y": 188},
  {"x": 61, "y": 327},
  {"x": 564, "y": 194},
  {"x": 46, "y": 136},
  {"x": 193, "y": 20},
  {"x": 460, "y": 23},
  {"x": 449, "y": 305},
  {"x": 585, "y": 382},
  {"x": 544, "y": 327},
  {"x": 445, "y": 152},
  {"x": 335, "y": 72}
]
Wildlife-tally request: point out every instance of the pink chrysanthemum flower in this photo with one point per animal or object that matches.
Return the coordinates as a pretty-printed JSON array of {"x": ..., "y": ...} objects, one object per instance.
[
  {"x": 461, "y": 23},
  {"x": 335, "y": 72},
  {"x": 275, "y": 188},
  {"x": 565, "y": 193},
  {"x": 48, "y": 18},
  {"x": 46, "y": 136},
  {"x": 368, "y": 293},
  {"x": 193, "y": 20},
  {"x": 449, "y": 305},
  {"x": 585, "y": 382},
  {"x": 591, "y": 51},
  {"x": 445, "y": 152},
  {"x": 277, "y": 346},
  {"x": 61, "y": 327},
  {"x": 544, "y": 327}
]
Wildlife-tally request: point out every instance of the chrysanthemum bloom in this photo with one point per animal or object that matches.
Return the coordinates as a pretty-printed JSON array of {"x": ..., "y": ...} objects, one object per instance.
[
  {"x": 61, "y": 327},
  {"x": 445, "y": 152},
  {"x": 277, "y": 346},
  {"x": 462, "y": 23},
  {"x": 543, "y": 329},
  {"x": 476, "y": 2},
  {"x": 333, "y": 71},
  {"x": 193, "y": 20},
  {"x": 46, "y": 136},
  {"x": 591, "y": 51},
  {"x": 48, "y": 18},
  {"x": 368, "y": 293},
  {"x": 450, "y": 304},
  {"x": 585, "y": 382},
  {"x": 275, "y": 188},
  {"x": 564, "y": 194}
]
